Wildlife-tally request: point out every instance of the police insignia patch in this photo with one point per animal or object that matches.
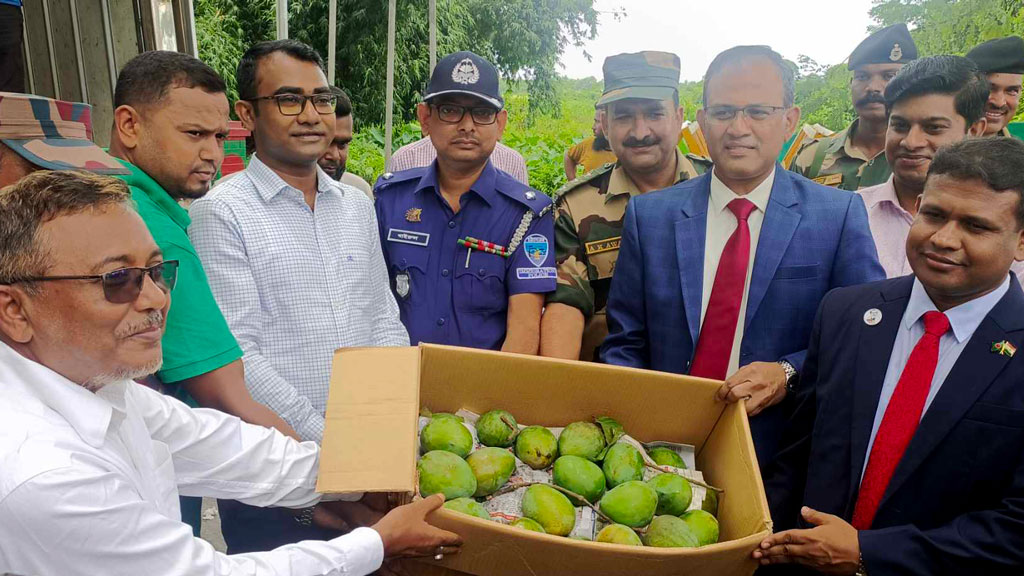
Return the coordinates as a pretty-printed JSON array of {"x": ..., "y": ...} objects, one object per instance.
[
  {"x": 466, "y": 72},
  {"x": 896, "y": 53},
  {"x": 536, "y": 246},
  {"x": 413, "y": 214},
  {"x": 402, "y": 285}
]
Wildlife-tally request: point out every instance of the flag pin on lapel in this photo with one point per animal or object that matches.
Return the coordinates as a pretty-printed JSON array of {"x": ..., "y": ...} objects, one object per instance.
[{"x": 1004, "y": 348}]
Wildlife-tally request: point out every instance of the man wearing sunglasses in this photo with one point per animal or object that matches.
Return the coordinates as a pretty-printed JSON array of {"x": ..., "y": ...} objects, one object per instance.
[
  {"x": 293, "y": 260},
  {"x": 469, "y": 247},
  {"x": 92, "y": 462},
  {"x": 720, "y": 276}
]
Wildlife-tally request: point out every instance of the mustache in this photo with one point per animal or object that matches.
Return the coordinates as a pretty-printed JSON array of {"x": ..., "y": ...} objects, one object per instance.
[
  {"x": 1002, "y": 109},
  {"x": 872, "y": 98},
  {"x": 646, "y": 141},
  {"x": 154, "y": 319}
]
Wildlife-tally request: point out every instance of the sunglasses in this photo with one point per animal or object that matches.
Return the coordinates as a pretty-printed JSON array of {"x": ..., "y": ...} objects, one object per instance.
[{"x": 124, "y": 285}]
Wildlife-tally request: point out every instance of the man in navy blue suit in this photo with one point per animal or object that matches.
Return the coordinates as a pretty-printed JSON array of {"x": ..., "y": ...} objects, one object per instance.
[
  {"x": 906, "y": 451},
  {"x": 720, "y": 276}
]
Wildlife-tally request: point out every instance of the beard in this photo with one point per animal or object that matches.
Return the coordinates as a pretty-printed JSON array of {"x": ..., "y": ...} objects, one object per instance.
[
  {"x": 122, "y": 373},
  {"x": 333, "y": 170},
  {"x": 601, "y": 143}
]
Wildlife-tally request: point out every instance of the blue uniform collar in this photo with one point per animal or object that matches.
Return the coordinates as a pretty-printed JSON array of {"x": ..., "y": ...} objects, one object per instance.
[{"x": 484, "y": 187}]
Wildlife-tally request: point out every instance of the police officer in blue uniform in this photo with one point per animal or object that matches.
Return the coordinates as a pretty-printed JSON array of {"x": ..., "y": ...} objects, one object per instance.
[{"x": 470, "y": 250}]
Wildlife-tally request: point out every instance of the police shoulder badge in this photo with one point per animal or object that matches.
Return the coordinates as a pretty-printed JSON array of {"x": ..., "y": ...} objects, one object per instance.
[
  {"x": 896, "y": 53},
  {"x": 536, "y": 246},
  {"x": 413, "y": 214},
  {"x": 466, "y": 72}
]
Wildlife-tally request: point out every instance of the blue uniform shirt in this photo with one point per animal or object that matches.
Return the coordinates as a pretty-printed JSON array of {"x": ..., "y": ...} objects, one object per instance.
[{"x": 442, "y": 300}]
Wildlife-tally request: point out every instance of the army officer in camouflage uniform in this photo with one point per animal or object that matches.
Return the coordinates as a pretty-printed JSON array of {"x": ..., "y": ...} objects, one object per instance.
[
  {"x": 641, "y": 119},
  {"x": 855, "y": 158}
]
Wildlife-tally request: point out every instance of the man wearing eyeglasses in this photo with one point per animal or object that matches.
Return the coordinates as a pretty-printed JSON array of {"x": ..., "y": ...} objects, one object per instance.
[
  {"x": 855, "y": 158},
  {"x": 468, "y": 247},
  {"x": 720, "y": 276},
  {"x": 293, "y": 260}
]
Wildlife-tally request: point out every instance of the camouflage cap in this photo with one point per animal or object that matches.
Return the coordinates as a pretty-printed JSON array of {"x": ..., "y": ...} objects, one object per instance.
[
  {"x": 650, "y": 75},
  {"x": 890, "y": 45},
  {"x": 53, "y": 134}
]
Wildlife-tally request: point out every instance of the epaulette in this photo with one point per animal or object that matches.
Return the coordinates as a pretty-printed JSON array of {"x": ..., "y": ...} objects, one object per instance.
[
  {"x": 593, "y": 174},
  {"x": 700, "y": 163},
  {"x": 532, "y": 199},
  {"x": 389, "y": 179}
]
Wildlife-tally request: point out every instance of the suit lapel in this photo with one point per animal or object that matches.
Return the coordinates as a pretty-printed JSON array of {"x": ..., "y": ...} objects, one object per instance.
[
  {"x": 874, "y": 348},
  {"x": 690, "y": 240},
  {"x": 777, "y": 229},
  {"x": 974, "y": 371}
]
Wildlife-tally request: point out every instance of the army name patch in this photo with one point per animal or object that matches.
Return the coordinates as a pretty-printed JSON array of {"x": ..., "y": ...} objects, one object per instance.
[
  {"x": 829, "y": 179},
  {"x": 599, "y": 246}
]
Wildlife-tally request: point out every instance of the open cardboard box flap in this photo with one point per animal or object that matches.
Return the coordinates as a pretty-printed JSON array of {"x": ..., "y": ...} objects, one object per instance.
[{"x": 370, "y": 445}]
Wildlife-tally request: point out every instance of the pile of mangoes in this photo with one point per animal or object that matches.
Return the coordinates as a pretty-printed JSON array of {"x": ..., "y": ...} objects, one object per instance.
[{"x": 587, "y": 462}]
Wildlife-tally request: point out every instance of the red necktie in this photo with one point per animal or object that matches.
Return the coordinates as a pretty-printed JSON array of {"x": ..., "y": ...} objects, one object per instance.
[
  {"x": 714, "y": 344},
  {"x": 901, "y": 418}
]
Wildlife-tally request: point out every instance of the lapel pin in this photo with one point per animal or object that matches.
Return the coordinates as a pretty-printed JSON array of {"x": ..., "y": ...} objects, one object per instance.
[
  {"x": 1004, "y": 348},
  {"x": 413, "y": 214},
  {"x": 873, "y": 317}
]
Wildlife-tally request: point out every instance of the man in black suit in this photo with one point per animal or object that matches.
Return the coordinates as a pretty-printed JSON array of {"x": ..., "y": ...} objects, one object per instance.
[{"x": 906, "y": 450}]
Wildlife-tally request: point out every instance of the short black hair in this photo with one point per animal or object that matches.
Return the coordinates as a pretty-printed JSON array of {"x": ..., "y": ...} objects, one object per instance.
[
  {"x": 245, "y": 75},
  {"x": 344, "y": 106},
  {"x": 148, "y": 77},
  {"x": 951, "y": 75},
  {"x": 996, "y": 161},
  {"x": 738, "y": 54}
]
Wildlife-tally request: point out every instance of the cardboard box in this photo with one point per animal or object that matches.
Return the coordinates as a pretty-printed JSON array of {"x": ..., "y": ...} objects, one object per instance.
[{"x": 370, "y": 445}]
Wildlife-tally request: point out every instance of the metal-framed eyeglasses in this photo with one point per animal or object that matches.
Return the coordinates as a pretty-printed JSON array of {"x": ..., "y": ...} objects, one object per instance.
[
  {"x": 753, "y": 112},
  {"x": 453, "y": 113},
  {"x": 124, "y": 285},
  {"x": 294, "y": 104}
]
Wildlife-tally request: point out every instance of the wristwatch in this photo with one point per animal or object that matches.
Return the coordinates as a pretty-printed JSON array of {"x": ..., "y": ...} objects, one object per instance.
[
  {"x": 305, "y": 516},
  {"x": 861, "y": 570},
  {"x": 792, "y": 377}
]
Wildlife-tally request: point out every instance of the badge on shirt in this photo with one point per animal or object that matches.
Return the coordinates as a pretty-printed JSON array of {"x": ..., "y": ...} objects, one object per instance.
[
  {"x": 606, "y": 245},
  {"x": 402, "y": 285},
  {"x": 536, "y": 246},
  {"x": 414, "y": 214},
  {"x": 408, "y": 237},
  {"x": 1004, "y": 348},
  {"x": 829, "y": 179}
]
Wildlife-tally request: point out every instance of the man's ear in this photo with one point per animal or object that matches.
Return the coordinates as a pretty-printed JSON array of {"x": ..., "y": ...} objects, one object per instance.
[
  {"x": 423, "y": 116},
  {"x": 14, "y": 319},
  {"x": 792, "y": 120},
  {"x": 978, "y": 128},
  {"x": 246, "y": 112},
  {"x": 127, "y": 124},
  {"x": 502, "y": 121}
]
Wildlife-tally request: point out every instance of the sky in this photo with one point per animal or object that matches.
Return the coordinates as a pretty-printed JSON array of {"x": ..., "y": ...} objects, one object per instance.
[{"x": 825, "y": 30}]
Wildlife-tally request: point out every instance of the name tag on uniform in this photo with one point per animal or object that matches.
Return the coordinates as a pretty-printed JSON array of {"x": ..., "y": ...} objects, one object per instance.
[
  {"x": 599, "y": 246},
  {"x": 830, "y": 179},
  {"x": 408, "y": 237},
  {"x": 536, "y": 273}
]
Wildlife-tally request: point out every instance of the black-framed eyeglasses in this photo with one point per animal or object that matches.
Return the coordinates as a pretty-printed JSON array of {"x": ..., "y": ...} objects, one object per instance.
[
  {"x": 453, "y": 113},
  {"x": 124, "y": 285},
  {"x": 294, "y": 104},
  {"x": 754, "y": 112}
]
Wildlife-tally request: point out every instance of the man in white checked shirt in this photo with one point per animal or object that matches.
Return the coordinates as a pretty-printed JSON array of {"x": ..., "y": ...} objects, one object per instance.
[{"x": 293, "y": 258}]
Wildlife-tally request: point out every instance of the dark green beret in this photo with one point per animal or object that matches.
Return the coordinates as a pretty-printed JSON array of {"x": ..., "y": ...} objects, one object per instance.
[
  {"x": 890, "y": 45},
  {"x": 1002, "y": 55}
]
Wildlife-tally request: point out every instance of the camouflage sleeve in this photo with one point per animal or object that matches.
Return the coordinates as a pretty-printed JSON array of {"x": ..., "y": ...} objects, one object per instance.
[
  {"x": 573, "y": 288},
  {"x": 804, "y": 158}
]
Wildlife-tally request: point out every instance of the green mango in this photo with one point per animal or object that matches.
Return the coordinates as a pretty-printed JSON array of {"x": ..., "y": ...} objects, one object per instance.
[
  {"x": 632, "y": 503},
  {"x": 579, "y": 475},
  {"x": 497, "y": 428},
  {"x": 468, "y": 506},
  {"x": 492, "y": 468},
  {"x": 537, "y": 447},
  {"x": 581, "y": 439},
  {"x": 622, "y": 463},
  {"x": 528, "y": 524},
  {"x": 549, "y": 508},
  {"x": 670, "y": 532},
  {"x": 446, "y": 434},
  {"x": 674, "y": 493},
  {"x": 619, "y": 534},
  {"x": 710, "y": 503},
  {"x": 666, "y": 457},
  {"x": 444, "y": 472},
  {"x": 703, "y": 525},
  {"x": 611, "y": 429}
]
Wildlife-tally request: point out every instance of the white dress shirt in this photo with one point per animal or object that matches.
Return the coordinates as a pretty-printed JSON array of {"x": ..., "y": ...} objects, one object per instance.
[
  {"x": 295, "y": 284},
  {"x": 963, "y": 321},
  {"x": 89, "y": 483},
  {"x": 720, "y": 226}
]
